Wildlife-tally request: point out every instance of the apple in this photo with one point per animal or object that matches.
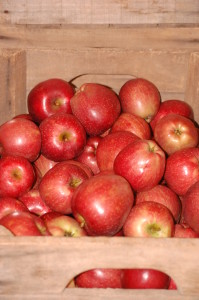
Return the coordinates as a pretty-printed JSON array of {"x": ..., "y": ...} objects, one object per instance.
[
  {"x": 173, "y": 106},
  {"x": 140, "y": 97},
  {"x": 88, "y": 155},
  {"x": 43, "y": 164},
  {"x": 162, "y": 194},
  {"x": 134, "y": 124},
  {"x": 99, "y": 278},
  {"x": 191, "y": 207},
  {"x": 48, "y": 97},
  {"x": 142, "y": 163},
  {"x": 174, "y": 132},
  {"x": 9, "y": 205},
  {"x": 24, "y": 224},
  {"x": 102, "y": 203},
  {"x": 62, "y": 136},
  {"x": 25, "y": 116},
  {"x": 182, "y": 170},
  {"x": 172, "y": 285},
  {"x": 109, "y": 147},
  {"x": 96, "y": 106},
  {"x": 184, "y": 231},
  {"x": 144, "y": 279},
  {"x": 20, "y": 137},
  {"x": 58, "y": 185},
  {"x": 33, "y": 201},
  {"x": 81, "y": 165},
  {"x": 149, "y": 219},
  {"x": 17, "y": 176},
  {"x": 64, "y": 226}
]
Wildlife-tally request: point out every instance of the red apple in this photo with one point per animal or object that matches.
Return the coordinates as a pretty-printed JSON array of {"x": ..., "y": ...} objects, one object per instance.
[
  {"x": 33, "y": 201},
  {"x": 96, "y": 106},
  {"x": 24, "y": 224},
  {"x": 184, "y": 231},
  {"x": 172, "y": 285},
  {"x": 81, "y": 165},
  {"x": 164, "y": 195},
  {"x": 172, "y": 107},
  {"x": 17, "y": 176},
  {"x": 140, "y": 97},
  {"x": 64, "y": 226},
  {"x": 48, "y": 97},
  {"x": 149, "y": 219},
  {"x": 43, "y": 164},
  {"x": 62, "y": 136},
  {"x": 174, "y": 132},
  {"x": 9, "y": 205},
  {"x": 102, "y": 203},
  {"x": 144, "y": 279},
  {"x": 142, "y": 163},
  {"x": 134, "y": 124},
  {"x": 25, "y": 116},
  {"x": 99, "y": 278},
  {"x": 20, "y": 137},
  {"x": 58, "y": 185},
  {"x": 88, "y": 156},
  {"x": 110, "y": 146},
  {"x": 191, "y": 207},
  {"x": 50, "y": 215},
  {"x": 182, "y": 170}
]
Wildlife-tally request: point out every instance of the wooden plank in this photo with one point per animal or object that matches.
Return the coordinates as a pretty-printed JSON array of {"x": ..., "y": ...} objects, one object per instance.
[
  {"x": 13, "y": 83},
  {"x": 44, "y": 265},
  {"x": 99, "y": 12},
  {"x": 110, "y": 66},
  {"x": 138, "y": 38},
  {"x": 192, "y": 84}
]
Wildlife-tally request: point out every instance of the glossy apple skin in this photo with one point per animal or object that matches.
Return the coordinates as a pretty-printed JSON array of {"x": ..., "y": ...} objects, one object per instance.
[
  {"x": 24, "y": 224},
  {"x": 58, "y": 185},
  {"x": 62, "y": 136},
  {"x": 110, "y": 146},
  {"x": 81, "y": 165},
  {"x": 140, "y": 97},
  {"x": 43, "y": 164},
  {"x": 142, "y": 163},
  {"x": 174, "y": 132},
  {"x": 182, "y": 170},
  {"x": 144, "y": 279},
  {"x": 17, "y": 176},
  {"x": 184, "y": 231},
  {"x": 9, "y": 205},
  {"x": 102, "y": 203},
  {"x": 33, "y": 201},
  {"x": 20, "y": 137},
  {"x": 48, "y": 97},
  {"x": 99, "y": 278},
  {"x": 134, "y": 124},
  {"x": 149, "y": 219},
  {"x": 191, "y": 207},
  {"x": 88, "y": 156},
  {"x": 96, "y": 106},
  {"x": 164, "y": 195},
  {"x": 173, "y": 106},
  {"x": 64, "y": 226}
]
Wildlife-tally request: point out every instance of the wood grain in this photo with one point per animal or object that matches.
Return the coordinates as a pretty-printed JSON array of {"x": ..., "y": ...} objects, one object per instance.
[
  {"x": 44, "y": 265},
  {"x": 99, "y": 12}
]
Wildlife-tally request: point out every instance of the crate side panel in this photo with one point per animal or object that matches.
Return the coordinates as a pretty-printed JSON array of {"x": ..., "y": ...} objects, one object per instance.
[
  {"x": 99, "y": 12},
  {"x": 13, "y": 83},
  {"x": 111, "y": 67},
  {"x": 38, "y": 36}
]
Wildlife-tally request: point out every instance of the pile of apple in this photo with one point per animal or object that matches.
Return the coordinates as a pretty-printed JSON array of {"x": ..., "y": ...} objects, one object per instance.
[{"x": 89, "y": 162}]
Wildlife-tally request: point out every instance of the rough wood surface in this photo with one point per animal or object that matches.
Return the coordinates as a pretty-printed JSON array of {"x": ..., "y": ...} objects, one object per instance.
[
  {"x": 44, "y": 265},
  {"x": 12, "y": 83},
  {"x": 60, "y": 37},
  {"x": 99, "y": 12}
]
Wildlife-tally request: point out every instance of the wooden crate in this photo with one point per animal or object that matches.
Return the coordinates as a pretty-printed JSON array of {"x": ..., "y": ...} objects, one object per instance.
[{"x": 107, "y": 42}]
